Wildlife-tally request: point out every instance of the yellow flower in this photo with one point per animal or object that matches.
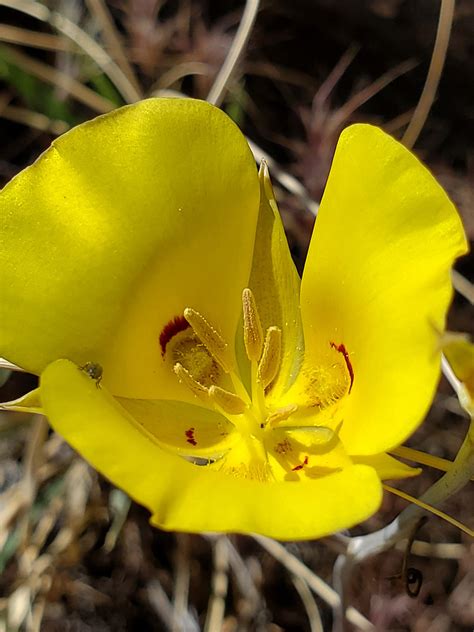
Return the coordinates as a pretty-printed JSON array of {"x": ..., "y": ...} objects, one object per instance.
[{"x": 231, "y": 398}]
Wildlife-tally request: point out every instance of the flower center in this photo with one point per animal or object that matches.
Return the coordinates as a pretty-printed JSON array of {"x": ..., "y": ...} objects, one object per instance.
[{"x": 271, "y": 437}]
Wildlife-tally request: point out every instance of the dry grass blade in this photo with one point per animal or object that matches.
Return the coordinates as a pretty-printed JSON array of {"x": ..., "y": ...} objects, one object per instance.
[
  {"x": 463, "y": 286},
  {"x": 182, "y": 619},
  {"x": 32, "y": 39},
  {"x": 220, "y": 584},
  {"x": 81, "y": 39},
  {"x": 435, "y": 70},
  {"x": 323, "y": 590},
  {"x": 21, "y": 495},
  {"x": 34, "y": 119},
  {"x": 217, "y": 92},
  {"x": 33, "y": 455},
  {"x": 100, "y": 11},
  {"x": 398, "y": 122},
  {"x": 5, "y": 364},
  {"x": 312, "y": 610},
  {"x": 441, "y": 550},
  {"x": 159, "y": 601},
  {"x": 59, "y": 79},
  {"x": 174, "y": 74},
  {"x": 244, "y": 580}
]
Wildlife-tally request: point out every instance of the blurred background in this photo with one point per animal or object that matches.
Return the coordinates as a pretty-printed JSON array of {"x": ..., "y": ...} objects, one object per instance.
[{"x": 75, "y": 554}]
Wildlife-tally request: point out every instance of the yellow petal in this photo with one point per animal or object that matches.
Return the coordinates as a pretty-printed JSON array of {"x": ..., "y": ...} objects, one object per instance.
[
  {"x": 276, "y": 285},
  {"x": 182, "y": 427},
  {"x": 387, "y": 467},
  {"x": 186, "y": 497},
  {"x": 298, "y": 452},
  {"x": 377, "y": 280},
  {"x": 29, "y": 403},
  {"x": 123, "y": 223}
]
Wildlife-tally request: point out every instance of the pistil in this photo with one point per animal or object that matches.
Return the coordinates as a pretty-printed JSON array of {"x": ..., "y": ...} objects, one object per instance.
[{"x": 253, "y": 334}]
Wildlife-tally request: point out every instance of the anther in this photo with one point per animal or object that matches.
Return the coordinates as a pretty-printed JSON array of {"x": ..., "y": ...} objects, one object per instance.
[
  {"x": 185, "y": 377},
  {"x": 210, "y": 338},
  {"x": 270, "y": 361},
  {"x": 229, "y": 402},
  {"x": 253, "y": 334}
]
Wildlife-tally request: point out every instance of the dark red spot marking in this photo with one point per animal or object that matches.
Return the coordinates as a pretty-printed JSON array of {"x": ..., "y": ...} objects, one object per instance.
[
  {"x": 301, "y": 465},
  {"x": 190, "y": 436},
  {"x": 175, "y": 325},
  {"x": 341, "y": 348}
]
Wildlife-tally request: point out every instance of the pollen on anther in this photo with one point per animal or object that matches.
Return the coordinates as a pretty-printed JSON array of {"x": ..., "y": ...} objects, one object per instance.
[
  {"x": 173, "y": 327},
  {"x": 283, "y": 447}
]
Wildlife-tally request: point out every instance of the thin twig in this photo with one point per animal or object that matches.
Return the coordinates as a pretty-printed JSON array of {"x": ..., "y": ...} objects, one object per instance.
[
  {"x": 217, "y": 92},
  {"x": 435, "y": 70},
  {"x": 317, "y": 585},
  {"x": 325, "y": 89},
  {"x": 345, "y": 111}
]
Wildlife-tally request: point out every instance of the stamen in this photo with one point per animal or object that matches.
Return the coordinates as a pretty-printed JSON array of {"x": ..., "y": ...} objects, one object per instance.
[
  {"x": 253, "y": 334},
  {"x": 210, "y": 338},
  {"x": 281, "y": 414},
  {"x": 270, "y": 360},
  {"x": 185, "y": 377},
  {"x": 230, "y": 403}
]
